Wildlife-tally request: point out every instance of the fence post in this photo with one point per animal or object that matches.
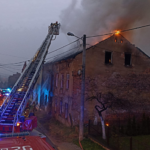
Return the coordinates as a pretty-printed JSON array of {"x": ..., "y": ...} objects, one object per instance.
[
  {"x": 108, "y": 135},
  {"x": 130, "y": 143},
  {"x": 89, "y": 127}
]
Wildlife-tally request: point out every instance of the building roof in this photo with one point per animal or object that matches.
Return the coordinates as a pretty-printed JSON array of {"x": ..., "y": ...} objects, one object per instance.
[{"x": 68, "y": 55}]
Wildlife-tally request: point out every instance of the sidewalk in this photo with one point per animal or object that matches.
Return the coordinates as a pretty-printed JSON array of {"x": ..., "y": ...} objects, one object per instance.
[{"x": 57, "y": 141}]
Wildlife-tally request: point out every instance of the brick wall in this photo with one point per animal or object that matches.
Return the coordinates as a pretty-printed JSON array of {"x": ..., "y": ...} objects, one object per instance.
[{"x": 127, "y": 82}]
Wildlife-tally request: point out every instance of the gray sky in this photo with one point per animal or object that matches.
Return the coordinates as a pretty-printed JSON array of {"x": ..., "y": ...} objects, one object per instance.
[
  {"x": 23, "y": 27},
  {"x": 24, "y": 24}
]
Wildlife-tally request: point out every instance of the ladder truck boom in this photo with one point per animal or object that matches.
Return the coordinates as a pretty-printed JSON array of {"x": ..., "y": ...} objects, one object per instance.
[{"x": 14, "y": 106}]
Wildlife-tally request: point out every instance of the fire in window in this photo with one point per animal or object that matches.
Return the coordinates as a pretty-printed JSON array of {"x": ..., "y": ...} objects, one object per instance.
[
  {"x": 67, "y": 82},
  {"x": 127, "y": 59},
  {"x": 66, "y": 110},
  {"x": 108, "y": 57},
  {"x": 60, "y": 107},
  {"x": 62, "y": 81}
]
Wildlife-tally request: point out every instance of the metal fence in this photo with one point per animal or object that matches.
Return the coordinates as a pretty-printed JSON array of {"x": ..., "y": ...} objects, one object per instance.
[{"x": 119, "y": 138}]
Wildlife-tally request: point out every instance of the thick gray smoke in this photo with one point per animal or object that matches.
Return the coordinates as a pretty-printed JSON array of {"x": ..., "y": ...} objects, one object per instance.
[{"x": 103, "y": 16}]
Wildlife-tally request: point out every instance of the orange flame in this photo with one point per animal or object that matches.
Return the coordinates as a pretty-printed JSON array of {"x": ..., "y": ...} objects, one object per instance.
[
  {"x": 107, "y": 124},
  {"x": 117, "y": 32},
  {"x": 18, "y": 124}
]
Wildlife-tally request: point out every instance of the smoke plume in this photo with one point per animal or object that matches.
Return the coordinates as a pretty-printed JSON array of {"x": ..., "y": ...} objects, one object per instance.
[{"x": 100, "y": 16}]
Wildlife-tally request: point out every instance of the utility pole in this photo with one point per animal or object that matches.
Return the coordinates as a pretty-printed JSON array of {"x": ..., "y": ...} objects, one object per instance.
[{"x": 81, "y": 124}]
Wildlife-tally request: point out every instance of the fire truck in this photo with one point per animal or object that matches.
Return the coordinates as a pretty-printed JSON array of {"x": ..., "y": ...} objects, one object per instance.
[{"x": 16, "y": 130}]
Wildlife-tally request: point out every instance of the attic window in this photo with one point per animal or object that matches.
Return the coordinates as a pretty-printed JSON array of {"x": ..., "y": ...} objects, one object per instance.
[
  {"x": 108, "y": 57},
  {"x": 127, "y": 59}
]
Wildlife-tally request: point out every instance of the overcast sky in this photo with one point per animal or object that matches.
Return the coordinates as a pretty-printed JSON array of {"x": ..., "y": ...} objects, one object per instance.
[{"x": 24, "y": 25}]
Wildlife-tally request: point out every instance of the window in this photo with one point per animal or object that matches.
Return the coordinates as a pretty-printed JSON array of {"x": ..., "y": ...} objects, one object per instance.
[
  {"x": 56, "y": 80},
  {"x": 67, "y": 82},
  {"x": 60, "y": 107},
  {"x": 55, "y": 106},
  {"x": 127, "y": 59},
  {"x": 108, "y": 57},
  {"x": 62, "y": 81},
  {"x": 66, "y": 110}
]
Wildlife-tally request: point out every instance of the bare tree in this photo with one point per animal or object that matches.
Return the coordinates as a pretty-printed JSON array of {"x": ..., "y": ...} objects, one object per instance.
[{"x": 105, "y": 101}]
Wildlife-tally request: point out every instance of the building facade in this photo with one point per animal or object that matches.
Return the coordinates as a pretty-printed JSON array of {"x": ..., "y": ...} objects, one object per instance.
[{"x": 113, "y": 65}]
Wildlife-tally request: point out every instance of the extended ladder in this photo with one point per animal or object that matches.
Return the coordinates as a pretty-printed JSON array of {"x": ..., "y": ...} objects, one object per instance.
[{"x": 14, "y": 106}]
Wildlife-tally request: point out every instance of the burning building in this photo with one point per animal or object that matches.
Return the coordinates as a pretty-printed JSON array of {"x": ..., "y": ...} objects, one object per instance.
[{"x": 114, "y": 65}]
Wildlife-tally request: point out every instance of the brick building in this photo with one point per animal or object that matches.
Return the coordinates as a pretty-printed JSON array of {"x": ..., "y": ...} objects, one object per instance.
[{"x": 115, "y": 65}]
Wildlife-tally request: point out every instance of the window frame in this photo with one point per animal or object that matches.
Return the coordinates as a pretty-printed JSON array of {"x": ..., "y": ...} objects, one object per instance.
[
  {"x": 125, "y": 59},
  {"x": 62, "y": 81},
  {"x": 67, "y": 81},
  {"x": 66, "y": 110},
  {"x": 57, "y": 77}
]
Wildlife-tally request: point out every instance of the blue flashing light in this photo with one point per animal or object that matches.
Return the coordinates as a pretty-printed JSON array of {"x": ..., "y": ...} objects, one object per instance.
[
  {"x": 7, "y": 94},
  {"x": 9, "y": 90}
]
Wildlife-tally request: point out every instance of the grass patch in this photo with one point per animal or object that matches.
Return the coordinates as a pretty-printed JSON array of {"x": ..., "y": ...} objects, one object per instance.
[
  {"x": 87, "y": 144},
  {"x": 138, "y": 142}
]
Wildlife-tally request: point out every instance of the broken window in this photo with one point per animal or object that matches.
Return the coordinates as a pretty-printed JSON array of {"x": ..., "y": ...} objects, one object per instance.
[
  {"x": 127, "y": 59},
  {"x": 67, "y": 82},
  {"x": 66, "y": 110},
  {"x": 108, "y": 57}
]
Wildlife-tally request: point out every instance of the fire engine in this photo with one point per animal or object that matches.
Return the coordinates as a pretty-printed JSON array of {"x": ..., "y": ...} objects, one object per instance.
[{"x": 16, "y": 130}]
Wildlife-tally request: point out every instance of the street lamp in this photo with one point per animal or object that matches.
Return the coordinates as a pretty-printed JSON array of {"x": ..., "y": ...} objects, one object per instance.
[{"x": 81, "y": 124}]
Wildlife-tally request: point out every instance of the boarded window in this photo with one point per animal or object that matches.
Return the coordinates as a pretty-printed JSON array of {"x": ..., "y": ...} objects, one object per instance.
[
  {"x": 67, "y": 82},
  {"x": 56, "y": 80},
  {"x": 62, "y": 81},
  {"x": 127, "y": 59},
  {"x": 66, "y": 110},
  {"x": 108, "y": 57}
]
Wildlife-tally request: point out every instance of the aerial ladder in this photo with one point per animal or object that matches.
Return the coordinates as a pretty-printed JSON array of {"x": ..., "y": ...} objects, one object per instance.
[{"x": 14, "y": 105}]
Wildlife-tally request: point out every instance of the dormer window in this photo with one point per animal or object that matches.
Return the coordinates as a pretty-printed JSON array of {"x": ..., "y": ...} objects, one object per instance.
[
  {"x": 127, "y": 59},
  {"x": 108, "y": 57}
]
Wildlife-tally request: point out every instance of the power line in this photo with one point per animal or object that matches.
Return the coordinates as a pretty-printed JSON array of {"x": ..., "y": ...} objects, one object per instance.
[
  {"x": 79, "y": 39},
  {"x": 13, "y": 63},
  {"x": 8, "y": 70},
  {"x": 61, "y": 53},
  {"x": 63, "y": 46},
  {"x": 11, "y": 55},
  {"x": 48, "y": 53},
  {"x": 120, "y": 31}
]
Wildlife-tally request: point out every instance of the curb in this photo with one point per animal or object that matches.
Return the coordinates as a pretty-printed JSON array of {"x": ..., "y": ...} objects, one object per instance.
[{"x": 98, "y": 143}]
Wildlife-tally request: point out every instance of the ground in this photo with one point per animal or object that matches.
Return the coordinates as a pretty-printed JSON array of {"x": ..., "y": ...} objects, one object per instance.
[{"x": 59, "y": 135}]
